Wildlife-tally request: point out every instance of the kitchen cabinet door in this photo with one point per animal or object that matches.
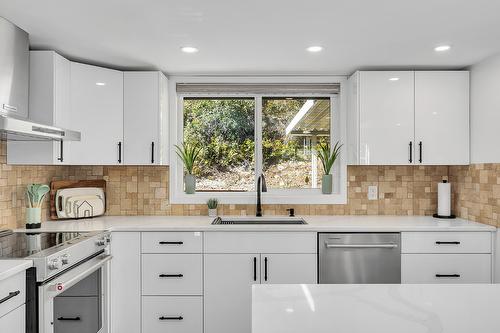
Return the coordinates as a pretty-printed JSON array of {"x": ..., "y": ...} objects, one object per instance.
[
  {"x": 386, "y": 111},
  {"x": 442, "y": 117},
  {"x": 228, "y": 291},
  {"x": 288, "y": 268},
  {"x": 125, "y": 277},
  {"x": 49, "y": 103},
  {"x": 143, "y": 117},
  {"x": 14, "y": 321},
  {"x": 97, "y": 112}
]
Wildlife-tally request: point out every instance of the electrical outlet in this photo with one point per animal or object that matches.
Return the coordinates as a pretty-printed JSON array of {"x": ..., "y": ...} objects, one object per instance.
[{"x": 373, "y": 192}]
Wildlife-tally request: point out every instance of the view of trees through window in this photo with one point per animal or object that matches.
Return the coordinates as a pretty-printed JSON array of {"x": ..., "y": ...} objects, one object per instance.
[{"x": 224, "y": 129}]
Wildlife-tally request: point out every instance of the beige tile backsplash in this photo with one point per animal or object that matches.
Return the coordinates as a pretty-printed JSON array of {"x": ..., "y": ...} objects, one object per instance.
[{"x": 143, "y": 190}]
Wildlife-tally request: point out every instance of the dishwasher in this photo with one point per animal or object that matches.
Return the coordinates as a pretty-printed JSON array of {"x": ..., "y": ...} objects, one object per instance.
[{"x": 359, "y": 258}]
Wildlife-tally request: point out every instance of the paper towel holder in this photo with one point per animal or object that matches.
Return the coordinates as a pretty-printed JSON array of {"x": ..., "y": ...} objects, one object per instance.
[{"x": 451, "y": 216}]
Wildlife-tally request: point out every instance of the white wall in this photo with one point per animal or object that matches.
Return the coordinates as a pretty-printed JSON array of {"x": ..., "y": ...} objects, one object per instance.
[{"x": 485, "y": 111}]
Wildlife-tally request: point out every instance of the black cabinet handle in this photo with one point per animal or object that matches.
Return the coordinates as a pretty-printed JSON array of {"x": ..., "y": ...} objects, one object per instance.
[
  {"x": 61, "y": 156},
  {"x": 9, "y": 296},
  {"x": 171, "y": 275},
  {"x": 447, "y": 275},
  {"x": 411, "y": 152},
  {"x": 255, "y": 268},
  {"x": 448, "y": 243},
  {"x": 171, "y": 318},
  {"x": 152, "y": 152},
  {"x": 265, "y": 269},
  {"x": 69, "y": 318},
  {"x": 420, "y": 151},
  {"x": 170, "y": 243},
  {"x": 120, "y": 152}
]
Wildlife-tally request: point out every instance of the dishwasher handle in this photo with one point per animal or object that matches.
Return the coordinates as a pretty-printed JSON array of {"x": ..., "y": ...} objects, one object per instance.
[{"x": 362, "y": 246}]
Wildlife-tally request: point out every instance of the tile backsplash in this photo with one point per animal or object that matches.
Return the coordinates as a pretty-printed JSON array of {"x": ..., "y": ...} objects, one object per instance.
[{"x": 143, "y": 190}]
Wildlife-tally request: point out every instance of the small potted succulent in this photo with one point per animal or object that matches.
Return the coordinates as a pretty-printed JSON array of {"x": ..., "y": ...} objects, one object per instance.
[
  {"x": 212, "y": 204},
  {"x": 328, "y": 157},
  {"x": 35, "y": 193},
  {"x": 188, "y": 154}
]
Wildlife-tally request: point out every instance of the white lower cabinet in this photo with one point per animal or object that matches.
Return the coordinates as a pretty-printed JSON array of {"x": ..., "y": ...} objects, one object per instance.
[
  {"x": 125, "y": 283},
  {"x": 228, "y": 291},
  {"x": 172, "y": 314},
  {"x": 14, "y": 321},
  {"x": 289, "y": 268},
  {"x": 446, "y": 268}
]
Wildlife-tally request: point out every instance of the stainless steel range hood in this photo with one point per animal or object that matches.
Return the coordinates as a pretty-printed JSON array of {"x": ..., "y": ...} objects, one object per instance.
[
  {"x": 14, "y": 84},
  {"x": 25, "y": 130}
]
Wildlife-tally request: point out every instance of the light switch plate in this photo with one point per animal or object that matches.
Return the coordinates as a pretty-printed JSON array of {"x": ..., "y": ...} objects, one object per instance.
[{"x": 372, "y": 192}]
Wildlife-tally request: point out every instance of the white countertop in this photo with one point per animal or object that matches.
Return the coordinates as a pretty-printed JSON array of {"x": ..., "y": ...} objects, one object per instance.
[
  {"x": 410, "y": 308},
  {"x": 11, "y": 267},
  {"x": 335, "y": 223}
]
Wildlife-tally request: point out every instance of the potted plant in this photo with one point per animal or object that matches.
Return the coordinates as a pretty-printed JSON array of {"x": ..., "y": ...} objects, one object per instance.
[
  {"x": 188, "y": 154},
  {"x": 212, "y": 204},
  {"x": 328, "y": 157},
  {"x": 35, "y": 193}
]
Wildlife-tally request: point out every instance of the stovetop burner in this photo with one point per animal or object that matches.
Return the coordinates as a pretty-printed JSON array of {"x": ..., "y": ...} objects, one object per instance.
[{"x": 25, "y": 244}]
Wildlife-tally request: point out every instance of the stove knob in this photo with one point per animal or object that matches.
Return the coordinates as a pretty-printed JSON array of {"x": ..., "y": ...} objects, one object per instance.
[
  {"x": 65, "y": 259},
  {"x": 100, "y": 242},
  {"x": 55, "y": 264}
]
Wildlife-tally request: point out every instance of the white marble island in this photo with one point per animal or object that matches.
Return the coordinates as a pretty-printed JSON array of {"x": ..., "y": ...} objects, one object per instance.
[{"x": 410, "y": 308}]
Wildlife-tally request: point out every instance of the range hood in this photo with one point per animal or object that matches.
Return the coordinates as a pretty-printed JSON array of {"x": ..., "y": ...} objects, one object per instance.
[{"x": 14, "y": 84}]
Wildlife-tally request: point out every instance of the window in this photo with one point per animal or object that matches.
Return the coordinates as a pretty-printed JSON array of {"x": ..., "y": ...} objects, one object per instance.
[
  {"x": 224, "y": 129},
  {"x": 245, "y": 130}
]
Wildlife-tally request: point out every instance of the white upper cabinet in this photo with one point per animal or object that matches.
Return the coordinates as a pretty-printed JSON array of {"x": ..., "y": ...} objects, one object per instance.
[
  {"x": 386, "y": 117},
  {"x": 408, "y": 118},
  {"x": 442, "y": 117},
  {"x": 144, "y": 115},
  {"x": 97, "y": 112},
  {"x": 49, "y": 103}
]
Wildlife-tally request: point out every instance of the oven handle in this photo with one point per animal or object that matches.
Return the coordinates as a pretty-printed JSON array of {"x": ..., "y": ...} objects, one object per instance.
[{"x": 60, "y": 284}]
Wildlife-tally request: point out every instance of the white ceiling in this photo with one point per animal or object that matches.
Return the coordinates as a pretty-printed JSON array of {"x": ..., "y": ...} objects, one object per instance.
[{"x": 262, "y": 36}]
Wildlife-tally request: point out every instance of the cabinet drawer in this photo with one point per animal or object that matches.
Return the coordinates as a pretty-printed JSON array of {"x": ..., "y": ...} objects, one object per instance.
[
  {"x": 260, "y": 242},
  {"x": 12, "y": 292},
  {"x": 446, "y": 268},
  {"x": 14, "y": 321},
  {"x": 172, "y": 242},
  {"x": 172, "y": 314},
  {"x": 446, "y": 242},
  {"x": 172, "y": 274}
]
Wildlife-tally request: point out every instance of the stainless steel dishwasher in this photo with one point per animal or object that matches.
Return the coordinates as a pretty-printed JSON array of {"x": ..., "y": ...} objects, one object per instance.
[{"x": 359, "y": 258}]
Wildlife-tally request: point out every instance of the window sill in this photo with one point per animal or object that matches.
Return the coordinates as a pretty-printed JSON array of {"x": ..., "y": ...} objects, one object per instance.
[{"x": 248, "y": 198}]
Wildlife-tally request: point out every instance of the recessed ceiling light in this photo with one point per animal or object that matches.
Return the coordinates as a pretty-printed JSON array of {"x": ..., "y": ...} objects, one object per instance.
[
  {"x": 100, "y": 84},
  {"x": 394, "y": 79},
  {"x": 442, "y": 48},
  {"x": 189, "y": 49},
  {"x": 315, "y": 48}
]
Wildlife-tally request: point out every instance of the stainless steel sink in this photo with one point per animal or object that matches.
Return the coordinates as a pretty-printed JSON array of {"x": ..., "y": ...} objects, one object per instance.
[{"x": 258, "y": 220}]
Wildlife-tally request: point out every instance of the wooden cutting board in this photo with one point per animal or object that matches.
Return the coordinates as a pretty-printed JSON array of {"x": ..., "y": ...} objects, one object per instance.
[{"x": 60, "y": 184}]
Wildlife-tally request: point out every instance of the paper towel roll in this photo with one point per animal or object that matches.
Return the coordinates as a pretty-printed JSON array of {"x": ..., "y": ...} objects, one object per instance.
[{"x": 444, "y": 199}]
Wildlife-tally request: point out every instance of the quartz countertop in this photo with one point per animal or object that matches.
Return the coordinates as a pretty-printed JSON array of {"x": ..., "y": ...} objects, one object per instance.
[
  {"x": 337, "y": 223},
  {"x": 409, "y": 308},
  {"x": 10, "y": 267}
]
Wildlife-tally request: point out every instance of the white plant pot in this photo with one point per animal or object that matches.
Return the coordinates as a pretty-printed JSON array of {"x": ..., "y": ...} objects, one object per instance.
[{"x": 212, "y": 212}]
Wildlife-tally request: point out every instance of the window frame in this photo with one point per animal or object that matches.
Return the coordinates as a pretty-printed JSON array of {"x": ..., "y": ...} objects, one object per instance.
[{"x": 273, "y": 196}]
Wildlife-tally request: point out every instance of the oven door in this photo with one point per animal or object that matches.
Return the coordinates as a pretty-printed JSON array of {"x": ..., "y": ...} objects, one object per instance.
[{"x": 78, "y": 300}]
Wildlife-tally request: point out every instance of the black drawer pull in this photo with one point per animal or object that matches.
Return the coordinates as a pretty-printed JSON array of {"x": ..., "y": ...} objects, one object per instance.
[
  {"x": 255, "y": 268},
  {"x": 448, "y": 243},
  {"x": 9, "y": 296},
  {"x": 119, "y": 152},
  {"x": 447, "y": 275},
  {"x": 171, "y": 243},
  {"x": 265, "y": 269},
  {"x": 171, "y": 318},
  {"x": 171, "y": 275},
  {"x": 69, "y": 318}
]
